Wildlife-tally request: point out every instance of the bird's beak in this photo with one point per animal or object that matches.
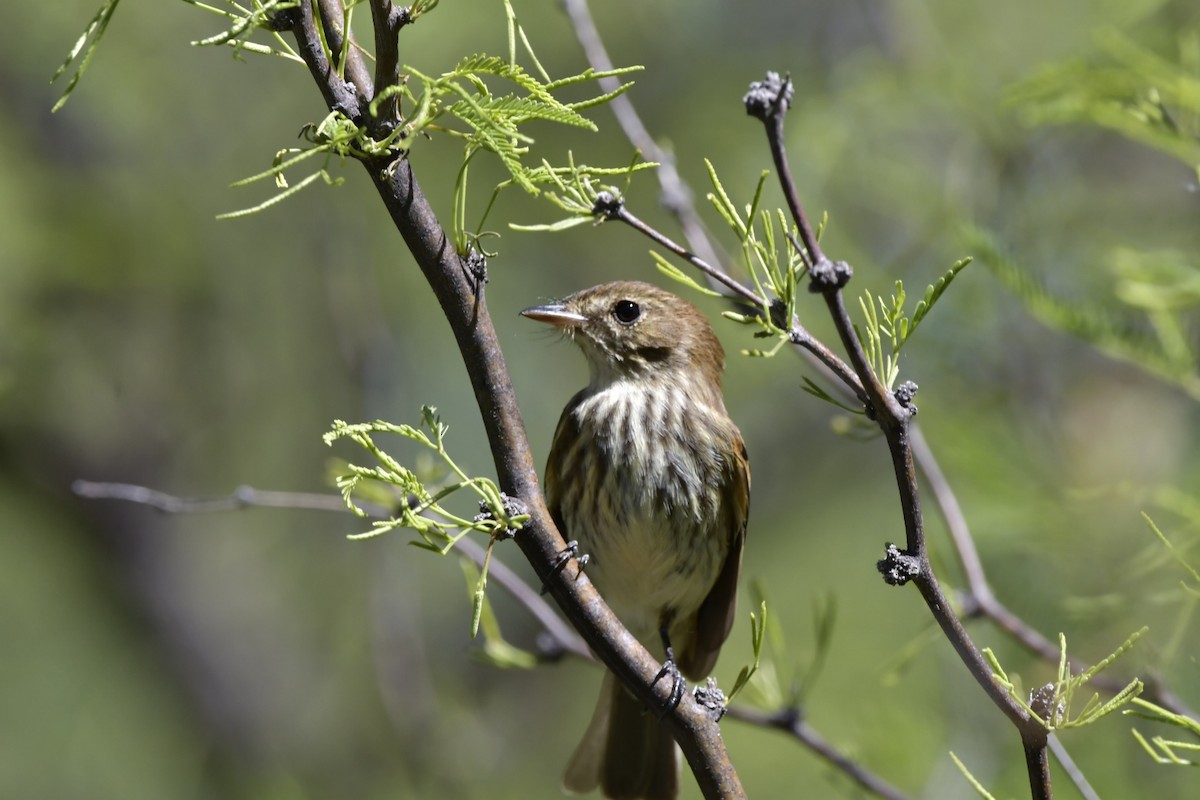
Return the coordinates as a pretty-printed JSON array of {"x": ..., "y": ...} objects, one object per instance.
[{"x": 556, "y": 314}]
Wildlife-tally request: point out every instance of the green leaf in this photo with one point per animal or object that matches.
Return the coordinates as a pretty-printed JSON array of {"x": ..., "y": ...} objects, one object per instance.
[
  {"x": 496, "y": 650},
  {"x": 590, "y": 74},
  {"x": 721, "y": 202},
  {"x": 550, "y": 227},
  {"x": 932, "y": 294},
  {"x": 676, "y": 274},
  {"x": 281, "y": 196},
  {"x": 818, "y": 392},
  {"x": 578, "y": 188},
  {"x": 1062, "y": 691},
  {"x": 1175, "y": 554},
  {"x": 90, "y": 38},
  {"x": 971, "y": 779},
  {"x": 423, "y": 510},
  {"x": 757, "y": 628}
]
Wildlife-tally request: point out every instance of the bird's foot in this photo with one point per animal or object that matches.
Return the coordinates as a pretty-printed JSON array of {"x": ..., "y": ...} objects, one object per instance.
[
  {"x": 678, "y": 684},
  {"x": 564, "y": 557}
]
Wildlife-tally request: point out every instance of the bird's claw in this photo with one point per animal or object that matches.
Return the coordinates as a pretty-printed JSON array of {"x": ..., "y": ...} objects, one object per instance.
[
  {"x": 564, "y": 557},
  {"x": 678, "y": 684}
]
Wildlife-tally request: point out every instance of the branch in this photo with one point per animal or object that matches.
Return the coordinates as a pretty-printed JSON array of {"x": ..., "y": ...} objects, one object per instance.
[
  {"x": 459, "y": 293},
  {"x": 791, "y": 722},
  {"x": 675, "y": 195},
  {"x": 564, "y": 639},
  {"x": 332, "y": 16},
  {"x": 797, "y": 334},
  {"x": 387, "y": 21},
  {"x": 540, "y": 541},
  {"x": 616, "y": 210},
  {"x": 241, "y": 497},
  {"x": 978, "y": 599},
  {"x": 768, "y": 101},
  {"x": 339, "y": 96}
]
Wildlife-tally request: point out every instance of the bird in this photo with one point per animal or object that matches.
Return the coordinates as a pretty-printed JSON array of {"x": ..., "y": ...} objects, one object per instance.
[{"x": 649, "y": 475}]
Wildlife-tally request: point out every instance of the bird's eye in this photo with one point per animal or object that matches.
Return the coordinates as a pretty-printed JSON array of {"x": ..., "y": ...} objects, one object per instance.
[{"x": 626, "y": 312}]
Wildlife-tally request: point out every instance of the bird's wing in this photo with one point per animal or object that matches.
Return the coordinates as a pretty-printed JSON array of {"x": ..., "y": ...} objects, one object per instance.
[
  {"x": 563, "y": 449},
  {"x": 714, "y": 619}
]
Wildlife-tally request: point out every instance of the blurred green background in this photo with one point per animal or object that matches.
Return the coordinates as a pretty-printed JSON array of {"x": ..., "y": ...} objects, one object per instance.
[{"x": 261, "y": 654}]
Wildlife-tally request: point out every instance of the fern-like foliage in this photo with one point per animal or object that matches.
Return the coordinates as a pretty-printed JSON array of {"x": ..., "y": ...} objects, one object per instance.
[
  {"x": 485, "y": 100},
  {"x": 1126, "y": 88},
  {"x": 1163, "y": 750},
  {"x": 575, "y": 189},
  {"x": 887, "y": 325},
  {"x": 418, "y": 506},
  {"x": 1054, "y": 705},
  {"x": 244, "y": 23},
  {"x": 461, "y": 103},
  {"x": 770, "y": 258},
  {"x": 1161, "y": 288},
  {"x": 83, "y": 50}
]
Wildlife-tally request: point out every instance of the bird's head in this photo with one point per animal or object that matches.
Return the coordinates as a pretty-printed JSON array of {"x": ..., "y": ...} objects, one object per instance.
[{"x": 630, "y": 329}]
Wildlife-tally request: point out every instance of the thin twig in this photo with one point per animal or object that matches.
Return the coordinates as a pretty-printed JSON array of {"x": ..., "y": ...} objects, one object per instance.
[
  {"x": 812, "y": 248},
  {"x": 241, "y": 497},
  {"x": 797, "y": 334},
  {"x": 387, "y": 21},
  {"x": 565, "y": 639},
  {"x": 979, "y": 600},
  {"x": 621, "y": 213},
  {"x": 792, "y": 722},
  {"x": 244, "y": 497},
  {"x": 1072, "y": 769},
  {"x": 769, "y": 101},
  {"x": 332, "y": 12},
  {"x": 676, "y": 197},
  {"x": 469, "y": 318}
]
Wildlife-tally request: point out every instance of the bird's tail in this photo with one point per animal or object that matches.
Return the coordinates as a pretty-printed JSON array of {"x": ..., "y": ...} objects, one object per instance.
[{"x": 625, "y": 751}]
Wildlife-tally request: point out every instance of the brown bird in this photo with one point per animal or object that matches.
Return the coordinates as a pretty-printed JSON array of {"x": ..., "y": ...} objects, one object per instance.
[{"x": 649, "y": 474}]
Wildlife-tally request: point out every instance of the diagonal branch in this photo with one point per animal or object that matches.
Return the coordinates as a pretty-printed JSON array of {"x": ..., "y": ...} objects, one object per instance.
[
  {"x": 564, "y": 640},
  {"x": 978, "y": 598},
  {"x": 539, "y": 539},
  {"x": 337, "y": 94},
  {"x": 387, "y": 20},
  {"x": 458, "y": 290},
  {"x": 791, "y": 722},
  {"x": 797, "y": 334},
  {"x": 356, "y": 74},
  {"x": 675, "y": 195},
  {"x": 768, "y": 100}
]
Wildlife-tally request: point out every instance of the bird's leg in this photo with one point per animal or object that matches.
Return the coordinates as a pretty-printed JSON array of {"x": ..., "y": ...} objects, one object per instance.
[
  {"x": 669, "y": 668},
  {"x": 564, "y": 557}
]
